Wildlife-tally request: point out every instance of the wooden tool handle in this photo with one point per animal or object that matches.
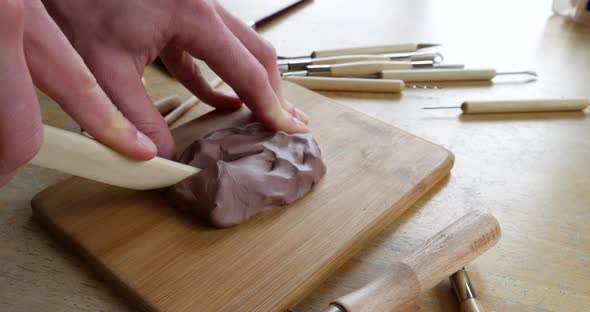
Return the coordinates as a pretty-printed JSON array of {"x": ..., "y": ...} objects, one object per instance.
[
  {"x": 78, "y": 155},
  {"x": 522, "y": 106},
  {"x": 181, "y": 109},
  {"x": 417, "y": 75},
  {"x": 381, "y": 49},
  {"x": 442, "y": 255},
  {"x": 167, "y": 104},
  {"x": 365, "y": 68},
  {"x": 348, "y": 84},
  {"x": 349, "y": 59}
]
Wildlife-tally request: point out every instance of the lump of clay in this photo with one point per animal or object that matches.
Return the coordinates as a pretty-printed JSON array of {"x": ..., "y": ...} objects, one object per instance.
[{"x": 246, "y": 170}]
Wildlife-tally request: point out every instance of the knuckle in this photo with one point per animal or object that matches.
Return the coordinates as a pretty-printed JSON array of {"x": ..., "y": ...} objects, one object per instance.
[
  {"x": 14, "y": 8},
  {"x": 12, "y": 12},
  {"x": 20, "y": 149},
  {"x": 268, "y": 54},
  {"x": 258, "y": 78},
  {"x": 204, "y": 8},
  {"x": 157, "y": 131},
  {"x": 84, "y": 84}
]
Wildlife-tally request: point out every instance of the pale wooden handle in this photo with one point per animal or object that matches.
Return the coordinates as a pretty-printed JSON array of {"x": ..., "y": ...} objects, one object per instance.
[
  {"x": 418, "y": 75},
  {"x": 442, "y": 255},
  {"x": 381, "y": 49},
  {"x": 181, "y": 109},
  {"x": 78, "y": 155},
  {"x": 348, "y": 84},
  {"x": 365, "y": 68},
  {"x": 166, "y": 104},
  {"x": 522, "y": 106},
  {"x": 348, "y": 59}
]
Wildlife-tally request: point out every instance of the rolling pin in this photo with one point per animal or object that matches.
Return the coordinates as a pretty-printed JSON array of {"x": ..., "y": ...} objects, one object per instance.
[
  {"x": 447, "y": 74},
  {"x": 380, "y": 49},
  {"x": 520, "y": 106},
  {"x": 438, "y": 258},
  {"x": 348, "y": 84},
  {"x": 78, "y": 155}
]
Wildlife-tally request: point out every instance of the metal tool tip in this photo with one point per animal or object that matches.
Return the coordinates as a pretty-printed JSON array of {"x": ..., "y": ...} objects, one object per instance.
[
  {"x": 427, "y": 45},
  {"x": 442, "y": 107}
]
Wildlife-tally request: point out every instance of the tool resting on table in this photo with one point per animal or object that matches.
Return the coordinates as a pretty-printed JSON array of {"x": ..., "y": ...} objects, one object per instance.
[
  {"x": 78, "y": 155},
  {"x": 348, "y": 84},
  {"x": 362, "y": 69},
  {"x": 301, "y": 64},
  {"x": 519, "y": 106},
  {"x": 438, "y": 258},
  {"x": 380, "y": 49},
  {"x": 447, "y": 74}
]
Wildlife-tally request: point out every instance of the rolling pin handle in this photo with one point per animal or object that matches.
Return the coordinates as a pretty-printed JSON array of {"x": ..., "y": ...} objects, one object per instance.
[{"x": 445, "y": 253}]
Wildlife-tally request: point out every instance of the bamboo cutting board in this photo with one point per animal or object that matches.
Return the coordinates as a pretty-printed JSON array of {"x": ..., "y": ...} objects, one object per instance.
[{"x": 164, "y": 261}]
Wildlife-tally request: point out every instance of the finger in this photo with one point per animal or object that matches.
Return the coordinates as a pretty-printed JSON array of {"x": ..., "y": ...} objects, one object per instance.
[
  {"x": 5, "y": 178},
  {"x": 59, "y": 71},
  {"x": 264, "y": 52},
  {"x": 120, "y": 77},
  {"x": 181, "y": 65},
  {"x": 21, "y": 133},
  {"x": 228, "y": 57}
]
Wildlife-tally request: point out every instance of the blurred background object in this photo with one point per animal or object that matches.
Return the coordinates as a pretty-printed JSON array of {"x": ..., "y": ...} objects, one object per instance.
[{"x": 578, "y": 10}]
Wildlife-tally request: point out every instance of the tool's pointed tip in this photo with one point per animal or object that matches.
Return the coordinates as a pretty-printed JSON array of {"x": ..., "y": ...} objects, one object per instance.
[{"x": 428, "y": 45}]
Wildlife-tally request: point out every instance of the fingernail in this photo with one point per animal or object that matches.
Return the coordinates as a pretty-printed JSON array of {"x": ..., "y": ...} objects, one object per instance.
[
  {"x": 294, "y": 111},
  {"x": 230, "y": 94},
  {"x": 301, "y": 115},
  {"x": 146, "y": 142},
  {"x": 301, "y": 127}
]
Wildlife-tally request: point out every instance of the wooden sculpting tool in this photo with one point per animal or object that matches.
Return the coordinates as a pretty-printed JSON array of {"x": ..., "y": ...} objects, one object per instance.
[
  {"x": 78, "y": 155},
  {"x": 442, "y": 255},
  {"x": 259, "y": 22},
  {"x": 354, "y": 84},
  {"x": 172, "y": 116},
  {"x": 361, "y": 69},
  {"x": 378, "y": 49},
  {"x": 301, "y": 64},
  {"x": 167, "y": 104},
  {"x": 465, "y": 293},
  {"x": 348, "y": 84},
  {"x": 519, "y": 106},
  {"x": 181, "y": 109},
  {"x": 447, "y": 74}
]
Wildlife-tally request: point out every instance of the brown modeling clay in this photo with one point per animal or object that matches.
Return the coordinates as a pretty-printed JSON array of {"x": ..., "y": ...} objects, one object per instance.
[{"x": 246, "y": 170}]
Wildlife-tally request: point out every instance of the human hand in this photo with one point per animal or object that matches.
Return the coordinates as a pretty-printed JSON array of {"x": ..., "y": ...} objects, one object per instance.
[
  {"x": 33, "y": 49},
  {"x": 117, "y": 39}
]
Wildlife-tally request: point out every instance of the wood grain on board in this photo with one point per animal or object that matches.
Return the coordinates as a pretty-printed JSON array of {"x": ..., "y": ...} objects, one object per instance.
[{"x": 163, "y": 261}]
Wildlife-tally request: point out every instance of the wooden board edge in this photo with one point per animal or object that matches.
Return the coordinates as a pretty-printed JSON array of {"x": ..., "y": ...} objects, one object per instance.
[
  {"x": 441, "y": 172},
  {"x": 103, "y": 273},
  {"x": 337, "y": 260},
  {"x": 97, "y": 267}
]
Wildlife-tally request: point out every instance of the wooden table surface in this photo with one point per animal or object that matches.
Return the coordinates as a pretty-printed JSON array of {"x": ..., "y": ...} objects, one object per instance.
[{"x": 528, "y": 169}]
